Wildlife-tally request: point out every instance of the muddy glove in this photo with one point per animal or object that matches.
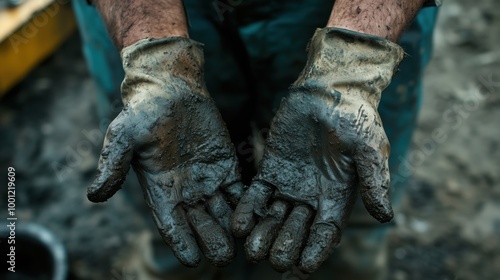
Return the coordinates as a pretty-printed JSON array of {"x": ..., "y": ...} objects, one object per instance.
[
  {"x": 173, "y": 136},
  {"x": 325, "y": 145}
]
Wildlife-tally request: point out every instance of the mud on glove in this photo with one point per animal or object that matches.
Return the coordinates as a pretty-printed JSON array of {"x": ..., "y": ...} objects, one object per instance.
[
  {"x": 173, "y": 136},
  {"x": 326, "y": 144}
]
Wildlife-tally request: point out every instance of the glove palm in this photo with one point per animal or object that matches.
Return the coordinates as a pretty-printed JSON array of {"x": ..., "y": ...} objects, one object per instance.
[
  {"x": 326, "y": 139},
  {"x": 172, "y": 134}
]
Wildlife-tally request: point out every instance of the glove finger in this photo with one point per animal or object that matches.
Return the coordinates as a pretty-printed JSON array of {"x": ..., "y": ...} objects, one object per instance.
[
  {"x": 326, "y": 230},
  {"x": 260, "y": 240},
  {"x": 254, "y": 201},
  {"x": 175, "y": 231},
  {"x": 234, "y": 192},
  {"x": 113, "y": 165},
  {"x": 286, "y": 249},
  {"x": 372, "y": 166},
  {"x": 220, "y": 211},
  {"x": 213, "y": 240}
]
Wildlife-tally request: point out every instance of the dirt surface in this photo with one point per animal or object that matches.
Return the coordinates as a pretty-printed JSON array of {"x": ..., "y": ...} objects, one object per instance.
[
  {"x": 46, "y": 124},
  {"x": 450, "y": 224},
  {"x": 448, "y": 228}
]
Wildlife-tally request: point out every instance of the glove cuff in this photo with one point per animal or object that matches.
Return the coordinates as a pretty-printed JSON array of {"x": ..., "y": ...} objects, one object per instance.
[
  {"x": 354, "y": 64},
  {"x": 158, "y": 62}
]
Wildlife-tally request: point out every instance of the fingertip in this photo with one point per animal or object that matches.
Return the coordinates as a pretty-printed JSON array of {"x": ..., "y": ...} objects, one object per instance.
[
  {"x": 101, "y": 192},
  {"x": 307, "y": 266},
  {"x": 224, "y": 256},
  {"x": 219, "y": 250},
  {"x": 262, "y": 237},
  {"x": 242, "y": 223},
  {"x": 259, "y": 241},
  {"x": 91, "y": 194},
  {"x": 286, "y": 249},
  {"x": 227, "y": 260},
  {"x": 189, "y": 258},
  {"x": 112, "y": 169},
  {"x": 379, "y": 206},
  {"x": 278, "y": 265},
  {"x": 383, "y": 216},
  {"x": 93, "y": 197},
  {"x": 323, "y": 239},
  {"x": 216, "y": 245},
  {"x": 184, "y": 248},
  {"x": 176, "y": 233},
  {"x": 252, "y": 203}
]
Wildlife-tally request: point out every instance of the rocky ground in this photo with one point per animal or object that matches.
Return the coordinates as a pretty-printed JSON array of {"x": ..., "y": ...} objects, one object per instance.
[
  {"x": 448, "y": 228},
  {"x": 450, "y": 225}
]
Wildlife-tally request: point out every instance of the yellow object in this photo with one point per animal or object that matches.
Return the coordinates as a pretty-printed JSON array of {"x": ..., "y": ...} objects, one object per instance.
[{"x": 28, "y": 34}]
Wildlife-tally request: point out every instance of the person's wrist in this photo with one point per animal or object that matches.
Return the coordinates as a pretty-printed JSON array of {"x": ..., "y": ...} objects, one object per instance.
[
  {"x": 129, "y": 23},
  {"x": 357, "y": 65},
  {"x": 351, "y": 24},
  {"x": 134, "y": 36},
  {"x": 385, "y": 19}
]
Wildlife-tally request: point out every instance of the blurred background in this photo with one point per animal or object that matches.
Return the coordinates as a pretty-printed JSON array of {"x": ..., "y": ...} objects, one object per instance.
[{"x": 51, "y": 134}]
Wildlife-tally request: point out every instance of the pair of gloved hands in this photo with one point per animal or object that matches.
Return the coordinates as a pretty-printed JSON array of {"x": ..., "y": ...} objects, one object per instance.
[{"x": 325, "y": 145}]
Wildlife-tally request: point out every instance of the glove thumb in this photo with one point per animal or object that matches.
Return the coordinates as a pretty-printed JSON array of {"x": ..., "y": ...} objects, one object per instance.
[
  {"x": 113, "y": 165},
  {"x": 372, "y": 167}
]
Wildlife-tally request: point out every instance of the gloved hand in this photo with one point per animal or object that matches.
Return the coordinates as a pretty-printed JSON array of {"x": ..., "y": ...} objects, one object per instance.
[
  {"x": 173, "y": 136},
  {"x": 326, "y": 139}
]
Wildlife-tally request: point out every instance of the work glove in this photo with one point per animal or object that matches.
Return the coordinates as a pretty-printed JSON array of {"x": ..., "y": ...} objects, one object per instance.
[
  {"x": 326, "y": 144},
  {"x": 173, "y": 136}
]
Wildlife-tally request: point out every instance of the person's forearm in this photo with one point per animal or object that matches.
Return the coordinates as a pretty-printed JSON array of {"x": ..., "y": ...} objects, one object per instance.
[
  {"x": 129, "y": 21},
  {"x": 382, "y": 18}
]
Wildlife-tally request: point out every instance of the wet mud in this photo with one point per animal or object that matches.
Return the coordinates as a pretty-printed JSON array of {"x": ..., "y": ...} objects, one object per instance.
[{"x": 326, "y": 143}]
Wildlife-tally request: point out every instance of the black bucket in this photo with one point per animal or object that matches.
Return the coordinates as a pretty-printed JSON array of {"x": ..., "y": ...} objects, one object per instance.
[{"x": 38, "y": 254}]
